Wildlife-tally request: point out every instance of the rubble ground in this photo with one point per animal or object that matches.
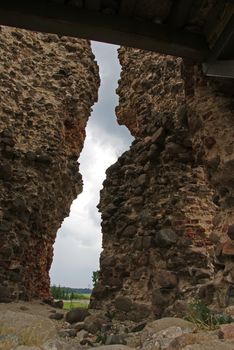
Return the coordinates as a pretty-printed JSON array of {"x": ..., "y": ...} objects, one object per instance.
[{"x": 29, "y": 326}]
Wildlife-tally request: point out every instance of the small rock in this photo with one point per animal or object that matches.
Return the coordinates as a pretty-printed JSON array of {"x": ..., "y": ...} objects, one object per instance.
[
  {"x": 228, "y": 248},
  {"x": 5, "y": 226},
  {"x": 226, "y": 331},
  {"x": 56, "y": 316},
  {"x": 159, "y": 136},
  {"x": 139, "y": 327},
  {"x": 76, "y": 315},
  {"x": 230, "y": 310},
  {"x": 230, "y": 231},
  {"x": 213, "y": 163},
  {"x": 116, "y": 339},
  {"x": 142, "y": 180},
  {"x": 166, "y": 279},
  {"x": 24, "y": 308},
  {"x": 78, "y": 326},
  {"x": 209, "y": 142},
  {"x": 165, "y": 238},
  {"x": 87, "y": 341},
  {"x": 154, "y": 152},
  {"x": 123, "y": 304},
  {"x": 139, "y": 312},
  {"x": 69, "y": 332},
  {"x": 129, "y": 231},
  {"x": 5, "y": 294},
  {"x": 58, "y": 304},
  {"x": 113, "y": 347},
  {"x": 82, "y": 334},
  {"x": 94, "y": 323}
]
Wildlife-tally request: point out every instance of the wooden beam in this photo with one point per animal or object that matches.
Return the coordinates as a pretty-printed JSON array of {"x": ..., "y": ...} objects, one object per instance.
[
  {"x": 92, "y": 5},
  {"x": 48, "y": 17},
  {"x": 179, "y": 13},
  {"x": 220, "y": 69},
  {"x": 127, "y": 7},
  {"x": 224, "y": 41}
]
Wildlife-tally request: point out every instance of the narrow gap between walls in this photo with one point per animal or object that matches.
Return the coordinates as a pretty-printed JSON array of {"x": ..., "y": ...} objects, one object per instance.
[{"x": 78, "y": 244}]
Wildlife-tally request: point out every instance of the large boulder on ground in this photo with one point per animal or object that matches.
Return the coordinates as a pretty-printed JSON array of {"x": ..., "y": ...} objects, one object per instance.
[
  {"x": 162, "y": 339},
  {"x": 165, "y": 323},
  {"x": 94, "y": 323},
  {"x": 76, "y": 315},
  {"x": 187, "y": 339},
  {"x": 32, "y": 330}
]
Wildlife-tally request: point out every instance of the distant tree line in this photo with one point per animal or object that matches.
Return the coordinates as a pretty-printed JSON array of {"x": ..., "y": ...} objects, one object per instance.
[{"x": 66, "y": 293}]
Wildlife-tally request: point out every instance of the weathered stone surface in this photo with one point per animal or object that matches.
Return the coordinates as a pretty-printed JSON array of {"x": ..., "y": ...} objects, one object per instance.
[
  {"x": 94, "y": 323},
  {"x": 123, "y": 304},
  {"x": 167, "y": 203},
  {"x": 27, "y": 326},
  {"x": 76, "y": 315},
  {"x": 165, "y": 238},
  {"x": 174, "y": 187},
  {"x": 162, "y": 339},
  {"x": 166, "y": 323},
  {"x": 46, "y": 94}
]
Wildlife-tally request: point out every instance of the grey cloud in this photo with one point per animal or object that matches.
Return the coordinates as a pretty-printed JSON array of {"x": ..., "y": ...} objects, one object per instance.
[{"x": 104, "y": 113}]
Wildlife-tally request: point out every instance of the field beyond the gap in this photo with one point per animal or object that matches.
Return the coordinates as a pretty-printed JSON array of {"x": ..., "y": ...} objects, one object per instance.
[{"x": 77, "y": 303}]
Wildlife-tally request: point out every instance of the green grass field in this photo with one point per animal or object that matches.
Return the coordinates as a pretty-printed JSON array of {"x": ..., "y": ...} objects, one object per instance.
[
  {"x": 68, "y": 305},
  {"x": 83, "y": 296}
]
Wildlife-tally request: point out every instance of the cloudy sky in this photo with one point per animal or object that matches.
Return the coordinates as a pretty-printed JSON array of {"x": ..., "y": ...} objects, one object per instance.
[{"x": 78, "y": 244}]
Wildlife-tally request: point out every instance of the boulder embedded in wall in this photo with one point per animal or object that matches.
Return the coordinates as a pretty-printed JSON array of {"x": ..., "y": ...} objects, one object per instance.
[
  {"x": 230, "y": 231},
  {"x": 165, "y": 238}
]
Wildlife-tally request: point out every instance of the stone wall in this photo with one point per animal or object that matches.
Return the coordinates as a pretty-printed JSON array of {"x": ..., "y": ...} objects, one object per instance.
[
  {"x": 159, "y": 203},
  {"x": 47, "y": 87},
  {"x": 210, "y": 108},
  {"x": 167, "y": 203}
]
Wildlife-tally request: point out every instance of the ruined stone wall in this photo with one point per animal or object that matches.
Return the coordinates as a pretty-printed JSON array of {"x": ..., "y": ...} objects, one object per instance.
[
  {"x": 210, "y": 108},
  {"x": 159, "y": 202},
  {"x": 47, "y": 87}
]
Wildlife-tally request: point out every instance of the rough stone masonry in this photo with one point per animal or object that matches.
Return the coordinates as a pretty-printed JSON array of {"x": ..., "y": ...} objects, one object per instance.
[
  {"x": 166, "y": 204},
  {"x": 47, "y": 87}
]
